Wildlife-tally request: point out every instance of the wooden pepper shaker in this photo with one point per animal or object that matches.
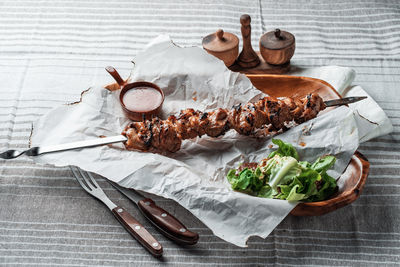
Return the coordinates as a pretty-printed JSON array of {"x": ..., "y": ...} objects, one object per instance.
[
  {"x": 223, "y": 45},
  {"x": 248, "y": 58},
  {"x": 277, "y": 47}
]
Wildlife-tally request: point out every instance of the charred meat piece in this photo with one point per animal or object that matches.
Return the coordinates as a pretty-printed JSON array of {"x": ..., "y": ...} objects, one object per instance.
[
  {"x": 170, "y": 140},
  {"x": 159, "y": 135},
  {"x": 218, "y": 122},
  {"x": 277, "y": 112},
  {"x": 295, "y": 106},
  {"x": 246, "y": 119},
  {"x": 312, "y": 104},
  {"x": 191, "y": 123},
  {"x": 138, "y": 136}
]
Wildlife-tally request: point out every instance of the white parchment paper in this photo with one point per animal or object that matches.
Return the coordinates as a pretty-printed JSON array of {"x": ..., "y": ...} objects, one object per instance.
[{"x": 195, "y": 175}]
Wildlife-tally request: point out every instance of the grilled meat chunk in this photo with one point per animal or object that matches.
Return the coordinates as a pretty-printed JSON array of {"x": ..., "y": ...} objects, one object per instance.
[
  {"x": 246, "y": 119},
  {"x": 156, "y": 134},
  {"x": 218, "y": 123}
]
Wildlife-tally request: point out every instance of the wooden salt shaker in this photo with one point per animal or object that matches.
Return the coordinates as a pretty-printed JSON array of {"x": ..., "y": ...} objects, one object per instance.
[
  {"x": 223, "y": 45},
  {"x": 277, "y": 47},
  {"x": 248, "y": 58}
]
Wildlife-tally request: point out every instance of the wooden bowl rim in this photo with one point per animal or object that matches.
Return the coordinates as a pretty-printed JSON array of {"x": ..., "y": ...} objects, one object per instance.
[
  {"x": 346, "y": 197},
  {"x": 250, "y": 76}
]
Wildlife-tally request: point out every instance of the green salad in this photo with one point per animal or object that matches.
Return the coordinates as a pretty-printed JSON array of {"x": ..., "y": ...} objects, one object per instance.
[{"x": 282, "y": 176}]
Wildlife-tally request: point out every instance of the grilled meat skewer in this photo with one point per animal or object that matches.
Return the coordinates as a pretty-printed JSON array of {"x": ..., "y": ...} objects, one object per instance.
[{"x": 264, "y": 116}]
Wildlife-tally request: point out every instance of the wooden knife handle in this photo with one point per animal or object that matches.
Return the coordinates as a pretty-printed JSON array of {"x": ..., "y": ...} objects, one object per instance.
[
  {"x": 138, "y": 231},
  {"x": 168, "y": 224}
]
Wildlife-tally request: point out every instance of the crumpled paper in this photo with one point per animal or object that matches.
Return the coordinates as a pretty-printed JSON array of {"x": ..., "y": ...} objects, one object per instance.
[
  {"x": 367, "y": 110},
  {"x": 195, "y": 175}
]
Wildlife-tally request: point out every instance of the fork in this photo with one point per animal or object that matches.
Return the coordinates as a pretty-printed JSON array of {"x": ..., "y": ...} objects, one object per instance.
[{"x": 137, "y": 230}]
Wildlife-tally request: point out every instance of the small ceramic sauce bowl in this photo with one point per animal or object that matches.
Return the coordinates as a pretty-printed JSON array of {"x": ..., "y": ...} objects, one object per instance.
[{"x": 139, "y": 100}]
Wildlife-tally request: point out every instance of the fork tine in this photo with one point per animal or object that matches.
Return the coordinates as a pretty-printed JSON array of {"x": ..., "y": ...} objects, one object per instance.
[
  {"x": 86, "y": 179},
  {"x": 83, "y": 184},
  {"x": 92, "y": 179},
  {"x": 79, "y": 179}
]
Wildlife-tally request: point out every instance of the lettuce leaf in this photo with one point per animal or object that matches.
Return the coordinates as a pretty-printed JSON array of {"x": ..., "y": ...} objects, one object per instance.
[
  {"x": 247, "y": 179},
  {"x": 305, "y": 164},
  {"x": 301, "y": 187},
  {"x": 328, "y": 188},
  {"x": 284, "y": 149},
  {"x": 282, "y": 176},
  {"x": 283, "y": 169},
  {"x": 266, "y": 191},
  {"x": 309, "y": 179},
  {"x": 292, "y": 191},
  {"x": 294, "y": 195},
  {"x": 231, "y": 176},
  {"x": 322, "y": 164}
]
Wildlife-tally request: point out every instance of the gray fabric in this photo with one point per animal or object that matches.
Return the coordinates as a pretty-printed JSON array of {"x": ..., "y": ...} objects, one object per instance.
[{"x": 52, "y": 50}]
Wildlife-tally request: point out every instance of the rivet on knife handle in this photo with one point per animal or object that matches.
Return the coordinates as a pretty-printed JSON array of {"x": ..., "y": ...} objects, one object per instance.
[
  {"x": 167, "y": 223},
  {"x": 138, "y": 231}
]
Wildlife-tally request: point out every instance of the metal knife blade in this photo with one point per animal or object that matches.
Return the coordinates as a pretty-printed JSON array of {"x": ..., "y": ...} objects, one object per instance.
[
  {"x": 168, "y": 225},
  {"x": 132, "y": 194},
  {"x": 344, "y": 101}
]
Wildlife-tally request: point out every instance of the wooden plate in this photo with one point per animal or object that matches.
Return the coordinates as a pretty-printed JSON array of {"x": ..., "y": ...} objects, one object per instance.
[
  {"x": 356, "y": 172},
  {"x": 293, "y": 86}
]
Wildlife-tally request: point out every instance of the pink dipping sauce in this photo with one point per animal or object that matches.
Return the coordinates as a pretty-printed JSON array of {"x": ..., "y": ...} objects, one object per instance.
[{"x": 142, "y": 99}]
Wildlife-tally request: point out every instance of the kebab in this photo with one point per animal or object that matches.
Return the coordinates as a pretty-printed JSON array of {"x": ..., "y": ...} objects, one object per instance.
[{"x": 265, "y": 117}]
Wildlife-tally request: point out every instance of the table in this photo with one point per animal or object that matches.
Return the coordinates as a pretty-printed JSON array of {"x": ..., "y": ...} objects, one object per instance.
[{"x": 50, "y": 51}]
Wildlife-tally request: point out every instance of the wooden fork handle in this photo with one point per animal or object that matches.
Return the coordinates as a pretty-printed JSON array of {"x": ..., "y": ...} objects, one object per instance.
[{"x": 138, "y": 231}]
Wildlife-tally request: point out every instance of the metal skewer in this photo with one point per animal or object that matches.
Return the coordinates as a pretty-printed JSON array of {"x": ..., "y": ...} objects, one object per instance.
[
  {"x": 344, "y": 101},
  {"x": 35, "y": 151}
]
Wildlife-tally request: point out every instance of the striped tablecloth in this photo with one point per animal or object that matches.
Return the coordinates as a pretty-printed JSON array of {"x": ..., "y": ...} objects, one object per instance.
[{"x": 52, "y": 50}]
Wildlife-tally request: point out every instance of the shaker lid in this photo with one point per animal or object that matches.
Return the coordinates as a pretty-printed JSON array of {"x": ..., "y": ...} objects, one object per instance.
[
  {"x": 220, "y": 41},
  {"x": 277, "y": 39}
]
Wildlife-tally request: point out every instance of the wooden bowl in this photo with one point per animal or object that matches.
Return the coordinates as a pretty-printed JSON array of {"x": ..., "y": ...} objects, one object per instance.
[
  {"x": 223, "y": 45},
  {"x": 277, "y": 47},
  {"x": 356, "y": 172}
]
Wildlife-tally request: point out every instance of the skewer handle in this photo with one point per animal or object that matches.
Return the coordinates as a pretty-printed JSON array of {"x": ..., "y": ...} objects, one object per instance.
[
  {"x": 35, "y": 151},
  {"x": 114, "y": 73}
]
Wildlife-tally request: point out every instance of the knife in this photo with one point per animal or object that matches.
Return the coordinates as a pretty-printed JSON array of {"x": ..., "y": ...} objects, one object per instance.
[
  {"x": 89, "y": 184},
  {"x": 164, "y": 221}
]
